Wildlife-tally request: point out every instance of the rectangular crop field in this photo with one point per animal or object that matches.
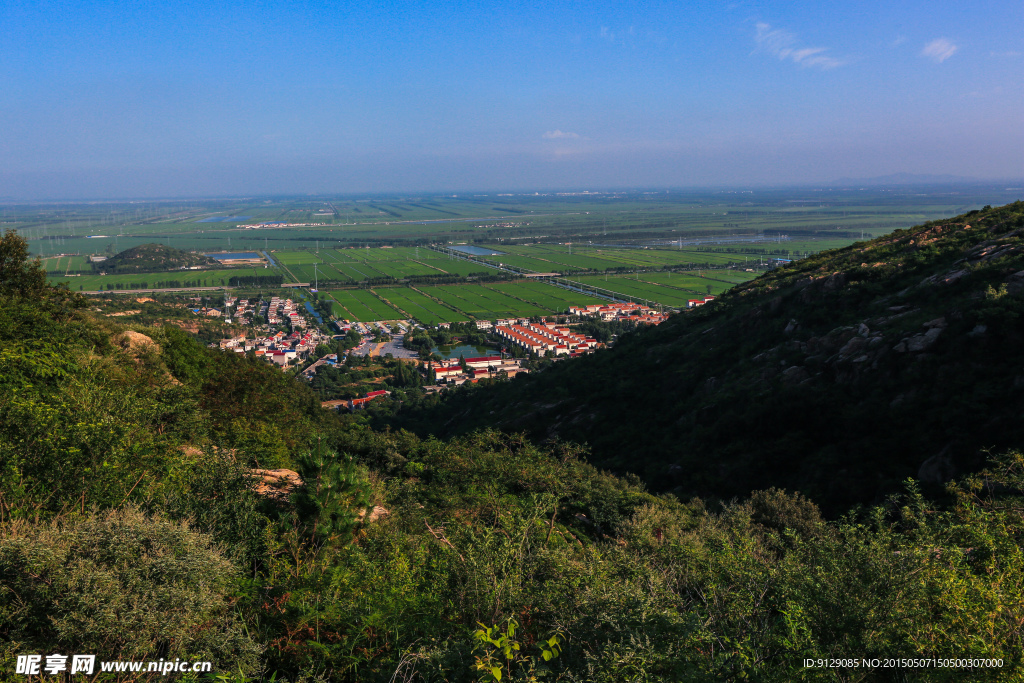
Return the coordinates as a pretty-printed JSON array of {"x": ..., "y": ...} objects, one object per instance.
[
  {"x": 481, "y": 302},
  {"x": 549, "y": 297},
  {"x": 171, "y": 279},
  {"x": 526, "y": 262},
  {"x": 728, "y": 274},
  {"x": 690, "y": 282},
  {"x": 58, "y": 265},
  {"x": 296, "y": 258},
  {"x": 419, "y": 306},
  {"x": 460, "y": 267},
  {"x": 362, "y": 306},
  {"x": 630, "y": 287},
  {"x": 401, "y": 269},
  {"x": 557, "y": 257}
]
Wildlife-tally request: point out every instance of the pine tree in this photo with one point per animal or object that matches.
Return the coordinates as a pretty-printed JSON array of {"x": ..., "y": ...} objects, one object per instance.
[{"x": 334, "y": 492}]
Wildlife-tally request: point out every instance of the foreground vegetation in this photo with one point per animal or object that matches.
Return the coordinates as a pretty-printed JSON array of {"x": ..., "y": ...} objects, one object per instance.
[{"x": 134, "y": 524}]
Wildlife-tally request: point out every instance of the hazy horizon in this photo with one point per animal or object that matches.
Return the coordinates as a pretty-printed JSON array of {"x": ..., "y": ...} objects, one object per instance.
[{"x": 181, "y": 99}]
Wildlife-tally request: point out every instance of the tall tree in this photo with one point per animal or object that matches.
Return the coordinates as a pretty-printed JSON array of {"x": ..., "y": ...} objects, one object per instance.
[{"x": 18, "y": 275}]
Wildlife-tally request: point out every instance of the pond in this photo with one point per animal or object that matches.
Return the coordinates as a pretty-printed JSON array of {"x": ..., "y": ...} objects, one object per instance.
[
  {"x": 478, "y": 251},
  {"x": 312, "y": 312},
  {"x": 464, "y": 350}
]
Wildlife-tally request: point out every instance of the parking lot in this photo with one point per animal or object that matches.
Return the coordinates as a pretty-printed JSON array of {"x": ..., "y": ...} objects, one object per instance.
[{"x": 394, "y": 347}]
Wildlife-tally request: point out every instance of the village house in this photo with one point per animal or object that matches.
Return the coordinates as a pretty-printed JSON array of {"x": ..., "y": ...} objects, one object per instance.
[
  {"x": 450, "y": 370},
  {"x": 693, "y": 303}
]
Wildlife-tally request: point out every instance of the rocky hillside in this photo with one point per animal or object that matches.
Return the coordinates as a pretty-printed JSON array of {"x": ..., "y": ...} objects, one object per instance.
[
  {"x": 839, "y": 375},
  {"x": 150, "y": 258}
]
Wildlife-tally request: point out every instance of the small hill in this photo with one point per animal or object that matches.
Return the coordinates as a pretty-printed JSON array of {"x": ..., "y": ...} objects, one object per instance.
[
  {"x": 150, "y": 258},
  {"x": 839, "y": 375}
]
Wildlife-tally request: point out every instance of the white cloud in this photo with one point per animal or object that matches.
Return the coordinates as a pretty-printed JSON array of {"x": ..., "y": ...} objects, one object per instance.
[
  {"x": 784, "y": 45},
  {"x": 939, "y": 50},
  {"x": 560, "y": 135},
  {"x": 900, "y": 39}
]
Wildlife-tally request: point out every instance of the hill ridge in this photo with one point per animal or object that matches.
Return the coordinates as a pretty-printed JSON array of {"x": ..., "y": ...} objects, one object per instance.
[{"x": 839, "y": 375}]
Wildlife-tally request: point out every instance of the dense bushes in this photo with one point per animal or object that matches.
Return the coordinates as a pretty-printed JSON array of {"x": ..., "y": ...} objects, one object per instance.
[
  {"x": 122, "y": 585},
  {"x": 489, "y": 528}
]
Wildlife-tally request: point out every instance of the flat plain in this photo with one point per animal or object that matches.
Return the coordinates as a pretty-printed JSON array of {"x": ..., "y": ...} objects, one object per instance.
[{"x": 662, "y": 247}]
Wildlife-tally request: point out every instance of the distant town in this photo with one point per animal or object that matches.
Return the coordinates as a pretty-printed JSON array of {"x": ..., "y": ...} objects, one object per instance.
[{"x": 291, "y": 334}]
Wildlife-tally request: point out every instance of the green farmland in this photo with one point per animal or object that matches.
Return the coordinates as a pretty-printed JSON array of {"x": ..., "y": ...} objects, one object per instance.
[
  {"x": 698, "y": 282},
  {"x": 482, "y": 303},
  {"x": 455, "y": 303},
  {"x": 420, "y": 306},
  {"x": 58, "y": 265},
  {"x": 664, "y": 247},
  {"x": 552, "y": 299},
  {"x": 630, "y": 287},
  {"x": 356, "y": 265},
  {"x": 813, "y": 218},
  {"x": 171, "y": 279},
  {"x": 557, "y": 257},
  {"x": 360, "y": 305}
]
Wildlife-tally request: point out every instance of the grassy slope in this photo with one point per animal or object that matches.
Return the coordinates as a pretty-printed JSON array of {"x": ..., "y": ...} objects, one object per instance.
[{"x": 802, "y": 378}]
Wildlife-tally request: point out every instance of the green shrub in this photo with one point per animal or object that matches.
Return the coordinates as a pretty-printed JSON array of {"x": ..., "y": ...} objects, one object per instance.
[{"x": 122, "y": 585}]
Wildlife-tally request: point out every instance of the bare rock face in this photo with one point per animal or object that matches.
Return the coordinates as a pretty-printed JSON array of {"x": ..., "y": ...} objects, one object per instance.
[
  {"x": 375, "y": 513},
  {"x": 919, "y": 342},
  {"x": 950, "y": 278},
  {"x": 794, "y": 375},
  {"x": 276, "y": 485},
  {"x": 139, "y": 346},
  {"x": 853, "y": 347},
  {"x": 937, "y": 469},
  {"x": 834, "y": 282},
  {"x": 134, "y": 342},
  {"x": 1015, "y": 283}
]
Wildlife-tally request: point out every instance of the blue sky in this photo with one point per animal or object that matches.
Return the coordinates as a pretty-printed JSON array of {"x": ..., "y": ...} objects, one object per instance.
[{"x": 157, "y": 98}]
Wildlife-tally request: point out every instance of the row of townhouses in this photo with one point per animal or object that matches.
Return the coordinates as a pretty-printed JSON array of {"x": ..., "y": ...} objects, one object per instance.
[{"x": 543, "y": 337}]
